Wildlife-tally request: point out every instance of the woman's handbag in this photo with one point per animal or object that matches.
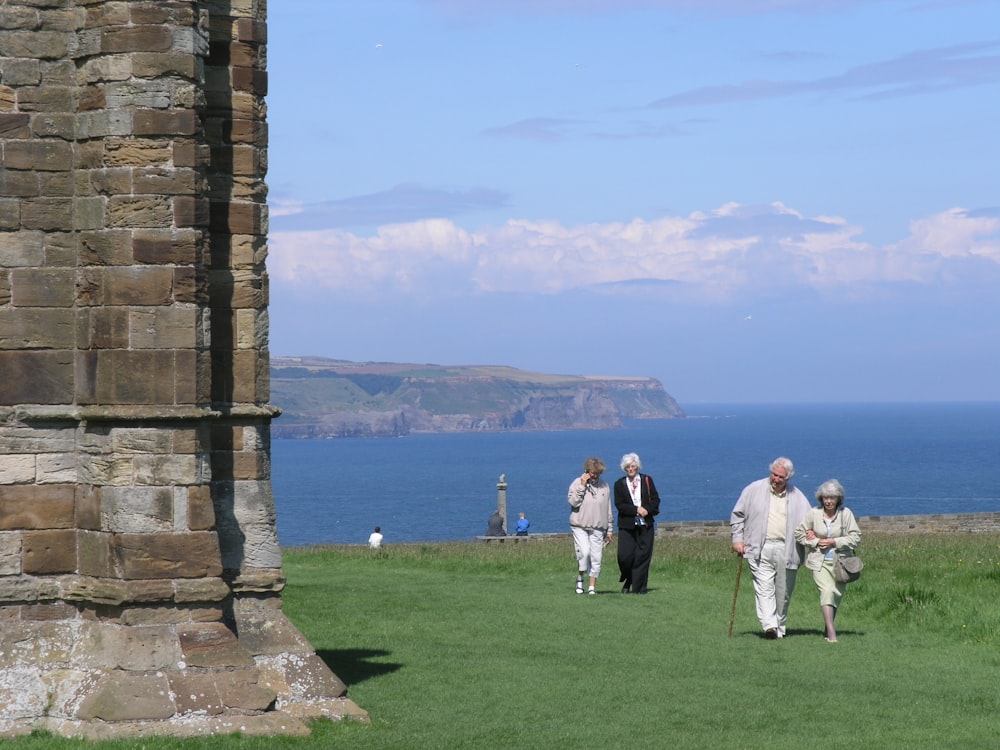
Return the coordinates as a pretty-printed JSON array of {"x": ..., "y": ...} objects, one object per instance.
[{"x": 847, "y": 569}]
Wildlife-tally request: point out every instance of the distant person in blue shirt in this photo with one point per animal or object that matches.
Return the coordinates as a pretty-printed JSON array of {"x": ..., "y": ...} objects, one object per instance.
[{"x": 522, "y": 525}]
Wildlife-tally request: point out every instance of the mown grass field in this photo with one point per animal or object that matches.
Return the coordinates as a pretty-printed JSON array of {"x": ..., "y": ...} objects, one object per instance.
[{"x": 485, "y": 646}]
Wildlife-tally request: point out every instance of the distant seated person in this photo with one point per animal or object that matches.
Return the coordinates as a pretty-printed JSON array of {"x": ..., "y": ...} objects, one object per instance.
[
  {"x": 494, "y": 527},
  {"x": 522, "y": 525},
  {"x": 375, "y": 540}
]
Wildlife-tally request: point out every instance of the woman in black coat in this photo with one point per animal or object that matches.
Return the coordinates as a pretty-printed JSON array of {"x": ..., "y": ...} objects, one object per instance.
[{"x": 638, "y": 503}]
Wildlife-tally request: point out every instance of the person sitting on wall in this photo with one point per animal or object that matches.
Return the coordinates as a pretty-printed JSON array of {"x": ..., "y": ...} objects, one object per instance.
[
  {"x": 522, "y": 525},
  {"x": 494, "y": 526}
]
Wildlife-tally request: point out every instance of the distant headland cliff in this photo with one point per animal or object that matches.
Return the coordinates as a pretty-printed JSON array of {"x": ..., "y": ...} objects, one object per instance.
[{"x": 328, "y": 398}]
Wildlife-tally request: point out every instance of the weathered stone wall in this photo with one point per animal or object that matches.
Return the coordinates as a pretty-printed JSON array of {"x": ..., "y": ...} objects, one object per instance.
[{"x": 139, "y": 564}]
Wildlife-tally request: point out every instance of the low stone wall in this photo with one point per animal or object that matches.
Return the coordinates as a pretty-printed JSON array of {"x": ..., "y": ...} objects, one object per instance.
[{"x": 973, "y": 523}]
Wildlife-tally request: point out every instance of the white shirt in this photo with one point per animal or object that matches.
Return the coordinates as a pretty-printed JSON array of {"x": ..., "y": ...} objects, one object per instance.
[{"x": 375, "y": 540}]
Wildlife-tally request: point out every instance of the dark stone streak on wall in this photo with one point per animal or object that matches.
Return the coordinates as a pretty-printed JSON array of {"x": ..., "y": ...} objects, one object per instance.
[{"x": 138, "y": 544}]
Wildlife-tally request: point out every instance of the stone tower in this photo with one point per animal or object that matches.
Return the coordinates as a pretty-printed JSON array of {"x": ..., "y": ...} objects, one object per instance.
[{"x": 140, "y": 572}]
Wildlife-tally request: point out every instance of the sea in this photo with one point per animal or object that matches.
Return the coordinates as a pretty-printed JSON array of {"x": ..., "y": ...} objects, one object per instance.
[{"x": 892, "y": 458}]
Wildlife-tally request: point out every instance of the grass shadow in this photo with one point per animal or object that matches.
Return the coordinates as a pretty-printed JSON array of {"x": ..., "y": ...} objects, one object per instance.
[{"x": 355, "y": 665}]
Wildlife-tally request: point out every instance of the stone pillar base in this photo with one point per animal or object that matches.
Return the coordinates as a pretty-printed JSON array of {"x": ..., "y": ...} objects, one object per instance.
[{"x": 101, "y": 679}]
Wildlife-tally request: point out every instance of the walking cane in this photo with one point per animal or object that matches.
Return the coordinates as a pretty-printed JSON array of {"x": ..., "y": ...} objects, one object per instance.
[{"x": 732, "y": 612}]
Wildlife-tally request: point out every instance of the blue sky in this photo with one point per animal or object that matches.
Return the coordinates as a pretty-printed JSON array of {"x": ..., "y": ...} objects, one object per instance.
[{"x": 750, "y": 200}]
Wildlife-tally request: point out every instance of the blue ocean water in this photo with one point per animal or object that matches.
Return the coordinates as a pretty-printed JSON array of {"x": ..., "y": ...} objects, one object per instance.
[{"x": 892, "y": 459}]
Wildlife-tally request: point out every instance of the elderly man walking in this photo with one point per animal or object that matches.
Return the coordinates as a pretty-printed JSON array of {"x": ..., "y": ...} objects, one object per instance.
[{"x": 763, "y": 524}]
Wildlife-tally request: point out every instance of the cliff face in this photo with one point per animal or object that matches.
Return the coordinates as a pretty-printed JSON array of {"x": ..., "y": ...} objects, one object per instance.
[{"x": 332, "y": 398}]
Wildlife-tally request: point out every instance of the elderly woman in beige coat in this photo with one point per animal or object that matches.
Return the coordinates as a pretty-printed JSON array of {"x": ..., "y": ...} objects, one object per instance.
[
  {"x": 590, "y": 520},
  {"x": 827, "y": 531}
]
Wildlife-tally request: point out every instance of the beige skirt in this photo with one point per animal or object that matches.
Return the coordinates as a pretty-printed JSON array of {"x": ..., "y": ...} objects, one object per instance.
[{"x": 830, "y": 592}]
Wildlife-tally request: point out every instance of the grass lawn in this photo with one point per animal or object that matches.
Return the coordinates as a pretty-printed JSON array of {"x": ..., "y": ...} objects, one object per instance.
[
  {"x": 470, "y": 646},
  {"x": 487, "y": 646}
]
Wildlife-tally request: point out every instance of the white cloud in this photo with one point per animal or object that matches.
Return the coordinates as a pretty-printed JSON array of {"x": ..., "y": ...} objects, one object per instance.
[{"x": 733, "y": 248}]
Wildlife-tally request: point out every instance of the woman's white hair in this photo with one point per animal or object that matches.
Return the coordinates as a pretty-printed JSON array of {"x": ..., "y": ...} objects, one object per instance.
[{"x": 631, "y": 458}]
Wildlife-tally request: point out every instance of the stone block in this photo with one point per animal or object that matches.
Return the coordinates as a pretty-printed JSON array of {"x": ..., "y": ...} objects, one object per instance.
[
  {"x": 196, "y": 692},
  {"x": 300, "y": 677},
  {"x": 19, "y": 184},
  {"x": 191, "y": 212},
  {"x": 89, "y": 213},
  {"x": 106, "y": 248},
  {"x": 157, "y": 247},
  {"x": 105, "y": 328},
  {"x": 190, "y": 285},
  {"x": 159, "y": 590},
  {"x": 24, "y": 248},
  {"x": 139, "y": 152},
  {"x": 88, "y": 507},
  {"x": 23, "y": 72},
  {"x": 137, "y": 510},
  {"x": 36, "y": 506},
  {"x": 92, "y": 98},
  {"x": 56, "y": 468},
  {"x": 60, "y": 249},
  {"x": 165, "y": 181},
  {"x": 47, "y": 214},
  {"x": 191, "y": 555},
  {"x": 189, "y": 153},
  {"x": 167, "y": 470},
  {"x": 14, "y": 124},
  {"x": 251, "y": 30},
  {"x": 265, "y": 630},
  {"x": 54, "y": 125},
  {"x": 241, "y": 690},
  {"x": 152, "y": 65},
  {"x": 141, "y": 440},
  {"x": 10, "y": 215},
  {"x": 124, "y": 696},
  {"x": 36, "y": 377},
  {"x": 10, "y": 553},
  {"x": 125, "y": 377},
  {"x": 171, "y": 122},
  {"x": 194, "y": 590},
  {"x": 17, "y": 469},
  {"x": 238, "y": 218},
  {"x": 36, "y": 327},
  {"x": 57, "y": 185},
  {"x": 138, "y": 285},
  {"x": 115, "y": 471},
  {"x": 43, "y": 287},
  {"x": 101, "y": 124},
  {"x": 51, "y": 97},
  {"x": 137, "y": 39},
  {"x": 113, "y": 181},
  {"x": 48, "y": 611},
  {"x": 135, "y": 649},
  {"x": 49, "y": 552},
  {"x": 164, "y": 327},
  {"x": 94, "y": 555},
  {"x": 208, "y": 645},
  {"x": 132, "y": 93},
  {"x": 39, "y": 155},
  {"x": 253, "y": 80},
  {"x": 145, "y": 212}
]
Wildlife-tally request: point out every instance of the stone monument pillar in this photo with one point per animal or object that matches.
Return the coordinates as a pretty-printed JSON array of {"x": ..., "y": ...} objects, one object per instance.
[{"x": 140, "y": 572}]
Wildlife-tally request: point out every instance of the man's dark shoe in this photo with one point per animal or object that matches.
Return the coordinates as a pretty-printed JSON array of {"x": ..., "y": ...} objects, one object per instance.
[{"x": 771, "y": 634}]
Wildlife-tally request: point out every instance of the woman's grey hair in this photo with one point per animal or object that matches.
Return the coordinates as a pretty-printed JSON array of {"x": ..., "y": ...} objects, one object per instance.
[
  {"x": 631, "y": 458},
  {"x": 831, "y": 488},
  {"x": 594, "y": 465},
  {"x": 784, "y": 463}
]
